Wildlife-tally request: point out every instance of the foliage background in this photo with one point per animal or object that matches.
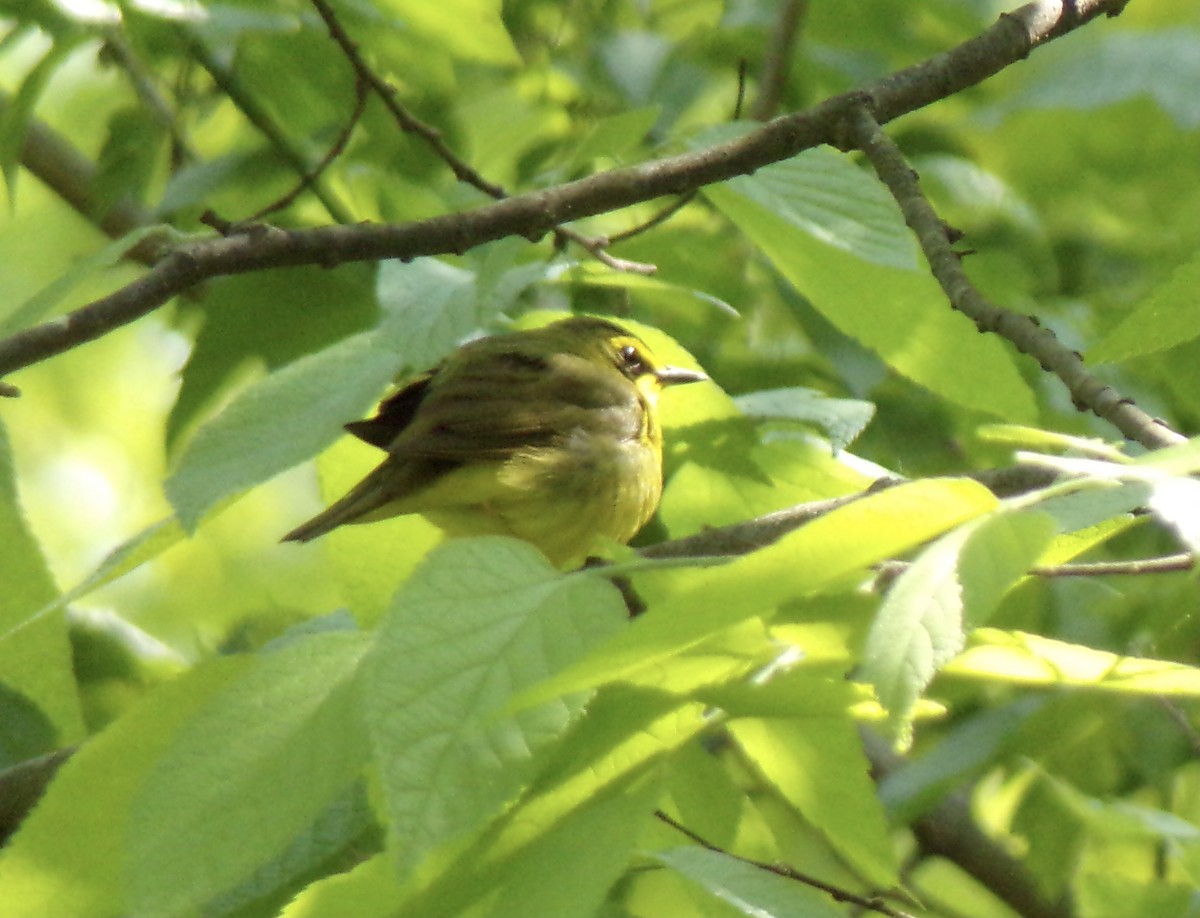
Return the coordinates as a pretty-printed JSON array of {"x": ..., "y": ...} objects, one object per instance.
[{"x": 1073, "y": 178}]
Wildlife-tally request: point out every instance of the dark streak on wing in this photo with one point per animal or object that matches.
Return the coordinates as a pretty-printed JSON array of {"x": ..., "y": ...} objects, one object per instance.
[
  {"x": 543, "y": 403},
  {"x": 395, "y": 413},
  {"x": 523, "y": 361}
]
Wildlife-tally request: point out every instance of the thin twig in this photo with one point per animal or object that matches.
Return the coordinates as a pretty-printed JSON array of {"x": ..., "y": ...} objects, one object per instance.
[
  {"x": 266, "y": 124},
  {"x": 462, "y": 170},
  {"x": 1168, "y": 564},
  {"x": 1088, "y": 392},
  {"x": 408, "y": 122},
  {"x": 871, "y": 903},
  {"x": 1182, "y": 721},
  {"x": 530, "y": 215},
  {"x": 147, "y": 92},
  {"x": 686, "y": 198},
  {"x": 777, "y": 64},
  {"x": 339, "y": 145},
  {"x": 659, "y": 218},
  {"x": 740, "y": 101},
  {"x": 1139, "y": 567}
]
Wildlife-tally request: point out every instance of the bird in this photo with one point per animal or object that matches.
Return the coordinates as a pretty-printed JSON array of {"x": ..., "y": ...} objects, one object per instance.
[{"x": 551, "y": 435}]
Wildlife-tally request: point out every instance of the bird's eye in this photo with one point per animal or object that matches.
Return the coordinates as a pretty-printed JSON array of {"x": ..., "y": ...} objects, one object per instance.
[{"x": 631, "y": 360}]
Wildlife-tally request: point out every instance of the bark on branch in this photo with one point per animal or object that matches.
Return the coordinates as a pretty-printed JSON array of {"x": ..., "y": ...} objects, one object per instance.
[{"x": 534, "y": 214}]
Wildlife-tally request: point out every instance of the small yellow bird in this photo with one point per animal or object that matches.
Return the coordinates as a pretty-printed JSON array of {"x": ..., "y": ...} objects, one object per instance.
[{"x": 550, "y": 435}]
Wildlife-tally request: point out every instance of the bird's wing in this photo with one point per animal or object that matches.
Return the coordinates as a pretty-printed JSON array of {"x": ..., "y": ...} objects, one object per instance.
[
  {"x": 494, "y": 409},
  {"x": 395, "y": 413}
]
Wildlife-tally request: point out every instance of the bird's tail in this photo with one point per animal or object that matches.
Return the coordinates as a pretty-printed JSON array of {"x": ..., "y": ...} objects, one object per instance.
[{"x": 356, "y": 507}]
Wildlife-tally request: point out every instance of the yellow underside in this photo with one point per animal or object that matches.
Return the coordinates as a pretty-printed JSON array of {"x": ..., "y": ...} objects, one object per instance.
[{"x": 567, "y": 504}]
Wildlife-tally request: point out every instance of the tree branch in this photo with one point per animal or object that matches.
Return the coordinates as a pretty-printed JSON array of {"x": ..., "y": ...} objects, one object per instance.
[
  {"x": 533, "y": 214},
  {"x": 72, "y": 176},
  {"x": 1087, "y": 392},
  {"x": 335, "y": 150},
  {"x": 463, "y": 171},
  {"x": 750, "y": 535},
  {"x": 948, "y": 830},
  {"x": 267, "y": 125}
]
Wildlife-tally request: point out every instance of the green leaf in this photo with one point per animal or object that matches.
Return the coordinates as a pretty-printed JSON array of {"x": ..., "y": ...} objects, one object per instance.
[
  {"x": 69, "y": 858},
  {"x": 347, "y": 825},
  {"x": 1102, "y": 892},
  {"x": 820, "y": 193},
  {"x": 1127, "y": 821},
  {"x": 16, "y": 113},
  {"x": 1111, "y": 68},
  {"x": 967, "y": 749},
  {"x": 728, "y": 476},
  {"x": 594, "y": 274},
  {"x": 817, "y": 556},
  {"x": 872, "y": 293},
  {"x": 1165, "y": 318},
  {"x": 136, "y": 139},
  {"x": 469, "y": 29},
  {"x": 278, "y": 422},
  {"x": 843, "y": 419},
  {"x": 1030, "y": 659},
  {"x": 84, "y": 269},
  {"x": 480, "y": 620},
  {"x": 431, "y": 306},
  {"x": 952, "y": 585},
  {"x": 129, "y": 555},
  {"x": 705, "y": 796},
  {"x": 608, "y": 753},
  {"x": 1085, "y": 507},
  {"x": 268, "y": 318},
  {"x": 566, "y": 871},
  {"x": 750, "y": 889},
  {"x": 370, "y": 890},
  {"x": 35, "y": 657},
  {"x": 257, "y": 765},
  {"x": 817, "y": 764},
  {"x": 613, "y": 138}
]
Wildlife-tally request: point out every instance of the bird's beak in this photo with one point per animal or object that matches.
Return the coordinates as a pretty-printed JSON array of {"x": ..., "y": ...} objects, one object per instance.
[{"x": 674, "y": 376}]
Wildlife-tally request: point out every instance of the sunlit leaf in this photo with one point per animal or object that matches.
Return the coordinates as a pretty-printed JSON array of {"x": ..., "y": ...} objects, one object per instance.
[
  {"x": 1165, "y": 318},
  {"x": 951, "y": 586},
  {"x": 1030, "y": 659},
  {"x": 17, "y": 112},
  {"x": 278, "y": 422},
  {"x": 879, "y": 298},
  {"x": 818, "y": 765},
  {"x": 470, "y": 29},
  {"x": 69, "y": 858},
  {"x": 480, "y": 620},
  {"x": 843, "y": 419},
  {"x": 748, "y": 888},
  {"x": 35, "y": 658},
  {"x": 818, "y": 555},
  {"x": 223, "y": 800}
]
